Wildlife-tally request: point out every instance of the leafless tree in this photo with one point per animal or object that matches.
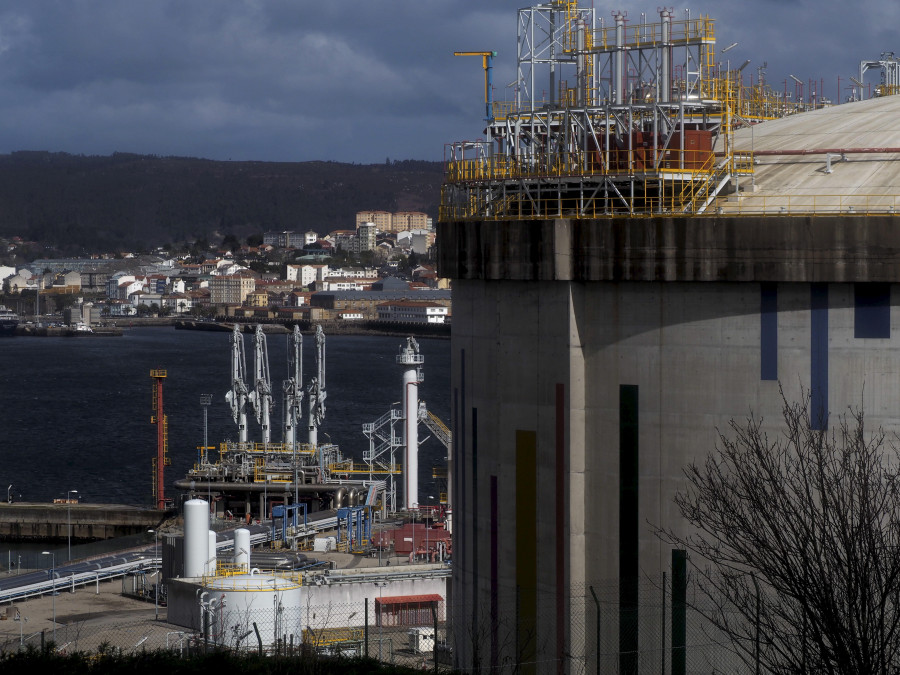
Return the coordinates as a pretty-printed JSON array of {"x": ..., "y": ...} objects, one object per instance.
[{"x": 796, "y": 544}]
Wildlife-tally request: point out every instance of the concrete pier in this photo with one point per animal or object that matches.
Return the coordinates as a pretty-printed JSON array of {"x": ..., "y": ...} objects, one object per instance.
[{"x": 89, "y": 522}]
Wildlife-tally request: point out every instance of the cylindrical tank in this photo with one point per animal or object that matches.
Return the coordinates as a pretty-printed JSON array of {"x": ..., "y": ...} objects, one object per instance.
[
  {"x": 196, "y": 543},
  {"x": 210, "y": 552},
  {"x": 242, "y": 548},
  {"x": 235, "y": 603}
]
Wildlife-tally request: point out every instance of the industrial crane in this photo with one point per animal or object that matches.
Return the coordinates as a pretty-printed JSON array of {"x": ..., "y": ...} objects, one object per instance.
[
  {"x": 261, "y": 396},
  {"x": 316, "y": 390},
  {"x": 293, "y": 387},
  {"x": 237, "y": 396}
]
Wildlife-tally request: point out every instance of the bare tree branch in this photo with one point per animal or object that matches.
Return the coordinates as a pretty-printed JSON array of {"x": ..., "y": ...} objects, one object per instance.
[{"x": 795, "y": 543}]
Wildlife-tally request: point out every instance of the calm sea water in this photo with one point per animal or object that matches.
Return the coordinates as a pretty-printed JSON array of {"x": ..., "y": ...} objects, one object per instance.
[{"x": 75, "y": 412}]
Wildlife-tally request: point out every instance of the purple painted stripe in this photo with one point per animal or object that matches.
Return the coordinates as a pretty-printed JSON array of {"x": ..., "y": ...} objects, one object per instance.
[{"x": 495, "y": 563}]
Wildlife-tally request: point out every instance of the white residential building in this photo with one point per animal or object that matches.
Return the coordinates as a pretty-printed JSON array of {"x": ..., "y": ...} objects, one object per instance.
[{"x": 304, "y": 275}]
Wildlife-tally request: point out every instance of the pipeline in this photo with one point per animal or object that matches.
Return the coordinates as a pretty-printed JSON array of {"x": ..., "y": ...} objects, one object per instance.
[
  {"x": 827, "y": 151},
  {"x": 306, "y": 488}
]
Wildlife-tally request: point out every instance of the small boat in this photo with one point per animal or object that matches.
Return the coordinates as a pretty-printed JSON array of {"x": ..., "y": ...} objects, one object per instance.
[{"x": 8, "y": 321}]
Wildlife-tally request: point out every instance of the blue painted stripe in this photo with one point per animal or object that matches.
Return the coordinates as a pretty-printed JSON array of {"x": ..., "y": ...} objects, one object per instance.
[
  {"x": 818, "y": 348},
  {"x": 872, "y": 310},
  {"x": 768, "y": 331}
]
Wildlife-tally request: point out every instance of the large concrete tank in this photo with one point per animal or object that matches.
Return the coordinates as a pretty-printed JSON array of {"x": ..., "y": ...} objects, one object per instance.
[{"x": 196, "y": 543}]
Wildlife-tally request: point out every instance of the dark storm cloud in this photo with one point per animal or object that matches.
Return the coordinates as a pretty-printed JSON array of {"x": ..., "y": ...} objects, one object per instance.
[{"x": 352, "y": 81}]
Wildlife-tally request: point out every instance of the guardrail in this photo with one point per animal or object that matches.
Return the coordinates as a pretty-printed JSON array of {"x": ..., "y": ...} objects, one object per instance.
[{"x": 69, "y": 580}]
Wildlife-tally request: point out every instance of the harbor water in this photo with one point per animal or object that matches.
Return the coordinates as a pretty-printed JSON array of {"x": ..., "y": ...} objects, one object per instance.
[{"x": 75, "y": 413}]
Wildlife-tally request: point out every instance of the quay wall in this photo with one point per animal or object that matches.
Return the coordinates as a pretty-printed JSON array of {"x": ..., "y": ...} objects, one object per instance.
[{"x": 89, "y": 522}]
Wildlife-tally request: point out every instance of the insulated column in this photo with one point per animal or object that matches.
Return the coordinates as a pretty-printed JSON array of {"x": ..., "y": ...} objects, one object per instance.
[{"x": 410, "y": 359}]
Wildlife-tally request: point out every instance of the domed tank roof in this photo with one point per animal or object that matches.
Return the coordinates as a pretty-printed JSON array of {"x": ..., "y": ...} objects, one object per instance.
[
  {"x": 252, "y": 582},
  {"x": 793, "y": 169}
]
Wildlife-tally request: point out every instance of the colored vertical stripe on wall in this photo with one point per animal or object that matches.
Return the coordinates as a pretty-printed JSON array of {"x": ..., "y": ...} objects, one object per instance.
[
  {"x": 495, "y": 590},
  {"x": 768, "y": 331},
  {"x": 679, "y": 611},
  {"x": 561, "y": 538},
  {"x": 526, "y": 547},
  {"x": 872, "y": 310},
  {"x": 474, "y": 539},
  {"x": 628, "y": 527},
  {"x": 818, "y": 394}
]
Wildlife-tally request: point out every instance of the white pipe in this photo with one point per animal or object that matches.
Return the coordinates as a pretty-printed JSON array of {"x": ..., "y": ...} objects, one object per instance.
[
  {"x": 210, "y": 553},
  {"x": 411, "y": 436},
  {"x": 619, "y": 59},
  {"x": 666, "y": 74}
]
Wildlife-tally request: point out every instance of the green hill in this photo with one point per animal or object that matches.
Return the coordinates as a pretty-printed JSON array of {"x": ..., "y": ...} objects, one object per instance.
[{"x": 86, "y": 204}]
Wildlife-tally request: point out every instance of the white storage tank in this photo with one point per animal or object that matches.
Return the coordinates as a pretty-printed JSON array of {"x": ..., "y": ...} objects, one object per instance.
[
  {"x": 242, "y": 549},
  {"x": 196, "y": 538},
  {"x": 235, "y": 603}
]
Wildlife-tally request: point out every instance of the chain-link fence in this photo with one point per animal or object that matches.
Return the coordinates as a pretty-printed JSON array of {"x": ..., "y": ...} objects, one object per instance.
[
  {"x": 403, "y": 635},
  {"x": 604, "y": 628}
]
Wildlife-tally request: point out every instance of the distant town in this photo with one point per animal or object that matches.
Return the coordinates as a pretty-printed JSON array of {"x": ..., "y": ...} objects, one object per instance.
[{"x": 380, "y": 270}]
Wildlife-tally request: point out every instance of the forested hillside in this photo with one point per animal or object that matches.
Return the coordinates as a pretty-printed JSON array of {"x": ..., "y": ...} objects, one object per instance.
[{"x": 85, "y": 204}]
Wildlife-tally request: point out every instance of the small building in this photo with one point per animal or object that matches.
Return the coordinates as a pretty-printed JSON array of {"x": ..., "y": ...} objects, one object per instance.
[
  {"x": 412, "y": 311},
  {"x": 409, "y": 610}
]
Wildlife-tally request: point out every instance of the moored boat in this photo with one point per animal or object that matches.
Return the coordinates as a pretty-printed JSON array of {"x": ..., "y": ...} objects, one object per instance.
[{"x": 8, "y": 321}]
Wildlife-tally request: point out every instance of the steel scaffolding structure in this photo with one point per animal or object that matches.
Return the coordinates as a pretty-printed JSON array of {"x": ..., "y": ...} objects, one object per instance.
[
  {"x": 889, "y": 66},
  {"x": 634, "y": 120}
]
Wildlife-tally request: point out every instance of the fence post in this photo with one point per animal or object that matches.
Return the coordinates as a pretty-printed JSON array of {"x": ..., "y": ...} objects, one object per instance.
[
  {"x": 367, "y": 628},
  {"x": 434, "y": 651}
]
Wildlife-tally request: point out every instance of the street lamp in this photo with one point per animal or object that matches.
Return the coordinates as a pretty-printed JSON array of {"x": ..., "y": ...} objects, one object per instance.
[
  {"x": 52, "y": 555},
  {"x": 158, "y": 573},
  {"x": 69, "y": 519},
  {"x": 21, "y": 619}
]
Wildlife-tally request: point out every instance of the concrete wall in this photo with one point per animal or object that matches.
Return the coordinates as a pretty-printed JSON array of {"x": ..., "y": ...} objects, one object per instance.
[
  {"x": 552, "y": 318},
  {"x": 752, "y": 248},
  {"x": 23, "y": 521}
]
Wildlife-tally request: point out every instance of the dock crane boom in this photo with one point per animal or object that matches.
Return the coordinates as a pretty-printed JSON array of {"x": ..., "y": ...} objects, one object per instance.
[
  {"x": 261, "y": 396},
  {"x": 293, "y": 386},
  {"x": 237, "y": 396},
  {"x": 316, "y": 390}
]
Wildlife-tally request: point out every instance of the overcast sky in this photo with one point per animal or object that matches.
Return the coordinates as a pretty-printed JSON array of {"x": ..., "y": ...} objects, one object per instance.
[{"x": 354, "y": 81}]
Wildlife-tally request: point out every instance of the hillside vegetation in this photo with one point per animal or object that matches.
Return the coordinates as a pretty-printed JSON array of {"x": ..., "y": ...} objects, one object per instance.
[{"x": 89, "y": 204}]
